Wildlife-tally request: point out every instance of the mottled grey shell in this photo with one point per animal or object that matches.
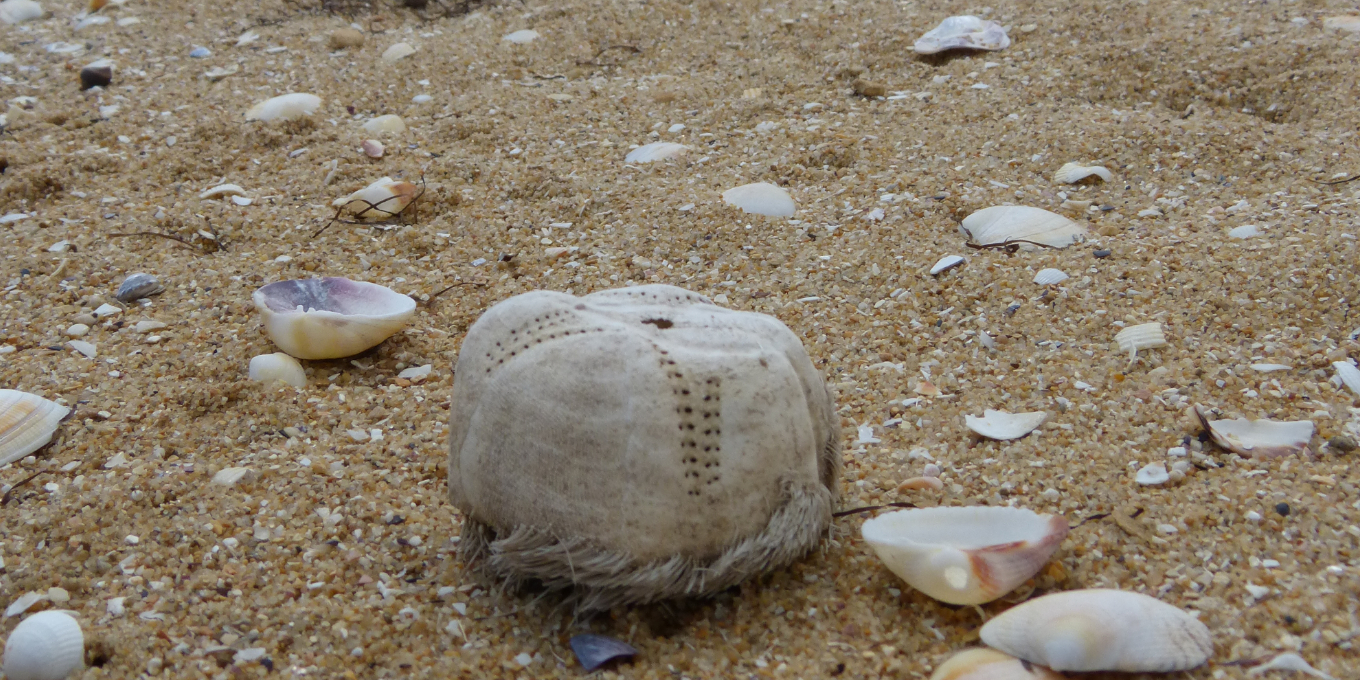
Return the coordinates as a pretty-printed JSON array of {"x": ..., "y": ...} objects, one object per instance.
[{"x": 138, "y": 286}]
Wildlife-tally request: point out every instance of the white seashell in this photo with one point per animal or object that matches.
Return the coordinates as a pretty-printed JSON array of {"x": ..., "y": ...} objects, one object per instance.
[
  {"x": 1142, "y": 336},
  {"x": 1101, "y": 630},
  {"x": 241, "y": 200},
  {"x": 330, "y": 318},
  {"x": 137, "y": 286},
  {"x": 760, "y": 198},
  {"x": 381, "y": 200},
  {"x": 988, "y": 664},
  {"x": 223, "y": 191},
  {"x": 247, "y": 38},
  {"x": 521, "y": 37},
  {"x": 372, "y": 148},
  {"x": 965, "y": 555},
  {"x": 388, "y": 123},
  {"x": 946, "y": 263},
  {"x": 1290, "y": 661},
  {"x": 656, "y": 151},
  {"x": 77, "y": 330},
  {"x": 1008, "y": 223},
  {"x": 1048, "y": 277},
  {"x": 1345, "y": 22},
  {"x": 233, "y": 475},
  {"x": 1152, "y": 474},
  {"x": 659, "y": 434},
  {"x": 1004, "y": 426},
  {"x": 19, "y": 11},
  {"x": 107, "y": 310},
  {"x": 1244, "y": 231},
  {"x": 219, "y": 72},
  {"x": 398, "y": 51},
  {"x": 416, "y": 373},
  {"x": 963, "y": 32},
  {"x": 277, "y": 366},
  {"x": 1072, "y": 173},
  {"x": 285, "y": 107},
  {"x": 1259, "y": 438},
  {"x": 27, "y": 422},
  {"x": 22, "y": 603},
  {"x": 86, "y": 348},
  {"x": 1268, "y": 368},
  {"x": 1349, "y": 375},
  {"x": 46, "y": 646}
]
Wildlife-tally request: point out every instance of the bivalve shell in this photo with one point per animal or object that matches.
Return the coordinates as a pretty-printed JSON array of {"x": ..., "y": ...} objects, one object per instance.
[
  {"x": 965, "y": 555},
  {"x": 656, "y": 151},
  {"x": 1101, "y": 630},
  {"x": 1026, "y": 226},
  {"x": 46, "y": 646},
  {"x": 381, "y": 200},
  {"x": 277, "y": 366},
  {"x": 761, "y": 198},
  {"x": 1048, "y": 277},
  {"x": 1259, "y": 438},
  {"x": 331, "y": 318},
  {"x": 19, "y": 11},
  {"x": 372, "y": 148},
  {"x": 988, "y": 664},
  {"x": 284, "y": 107},
  {"x": 389, "y": 123},
  {"x": 965, "y": 32},
  {"x": 137, "y": 286},
  {"x": 27, "y": 422},
  {"x": 223, "y": 191},
  {"x": 1072, "y": 173},
  {"x": 1004, "y": 426},
  {"x": 1142, "y": 336}
]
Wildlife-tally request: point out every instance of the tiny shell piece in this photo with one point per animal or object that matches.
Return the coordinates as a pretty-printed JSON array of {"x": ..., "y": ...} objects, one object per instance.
[
  {"x": 1101, "y": 630},
  {"x": 416, "y": 373},
  {"x": 1348, "y": 374},
  {"x": 398, "y": 51},
  {"x": 45, "y": 646},
  {"x": 137, "y": 286},
  {"x": 981, "y": 663},
  {"x": 232, "y": 475},
  {"x": 373, "y": 148},
  {"x": 1004, "y": 426},
  {"x": 1244, "y": 231},
  {"x": 19, "y": 11},
  {"x": 277, "y": 366},
  {"x": 1345, "y": 22},
  {"x": 917, "y": 483},
  {"x": 1269, "y": 368},
  {"x": 381, "y": 200},
  {"x": 946, "y": 263},
  {"x": 1048, "y": 277},
  {"x": 656, "y": 151},
  {"x": 284, "y": 107},
  {"x": 965, "y": 555},
  {"x": 1072, "y": 173},
  {"x": 761, "y": 198},
  {"x": 107, "y": 310},
  {"x": 594, "y": 651},
  {"x": 22, "y": 603},
  {"x": 963, "y": 32},
  {"x": 86, "y": 348},
  {"x": 1152, "y": 474},
  {"x": 330, "y": 318},
  {"x": 388, "y": 123},
  {"x": 521, "y": 37},
  {"x": 223, "y": 191},
  {"x": 1290, "y": 661},
  {"x": 1142, "y": 336},
  {"x": 1017, "y": 223},
  {"x": 1259, "y": 438}
]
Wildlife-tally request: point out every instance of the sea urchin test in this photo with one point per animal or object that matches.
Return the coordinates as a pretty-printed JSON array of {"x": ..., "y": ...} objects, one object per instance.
[{"x": 638, "y": 444}]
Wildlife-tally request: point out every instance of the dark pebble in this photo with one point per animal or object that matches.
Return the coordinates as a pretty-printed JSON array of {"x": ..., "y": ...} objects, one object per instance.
[
  {"x": 1283, "y": 509},
  {"x": 1011, "y": 310},
  {"x": 1102, "y": 253},
  {"x": 416, "y": 4},
  {"x": 95, "y": 76},
  {"x": 594, "y": 651},
  {"x": 1342, "y": 444}
]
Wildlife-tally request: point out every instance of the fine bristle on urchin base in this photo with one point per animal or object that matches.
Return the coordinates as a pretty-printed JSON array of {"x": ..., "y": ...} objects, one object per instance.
[{"x": 593, "y": 579}]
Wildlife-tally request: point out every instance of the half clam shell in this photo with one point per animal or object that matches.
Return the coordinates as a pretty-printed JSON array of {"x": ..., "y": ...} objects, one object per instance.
[
  {"x": 381, "y": 200},
  {"x": 1142, "y": 336},
  {"x": 656, "y": 151},
  {"x": 285, "y": 107},
  {"x": 27, "y": 422},
  {"x": 760, "y": 198},
  {"x": 1048, "y": 277},
  {"x": 1259, "y": 438},
  {"x": 965, "y": 555},
  {"x": 1004, "y": 426},
  {"x": 981, "y": 663},
  {"x": 964, "y": 32},
  {"x": 332, "y": 317},
  {"x": 1003, "y": 224},
  {"x": 44, "y": 646}
]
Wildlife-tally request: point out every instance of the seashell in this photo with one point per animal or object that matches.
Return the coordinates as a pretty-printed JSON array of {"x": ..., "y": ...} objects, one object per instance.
[
  {"x": 963, "y": 32},
  {"x": 219, "y": 72},
  {"x": 223, "y": 191},
  {"x": 981, "y": 663},
  {"x": 760, "y": 198},
  {"x": 594, "y": 651},
  {"x": 416, "y": 373},
  {"x": 1259, "y": 438},
  {"x": 86, "y": 348},
  {"x": 1345, "y": 22},
  {"x": 670, "y": 447},
  {"x": 19, "y": 11},
  {"x": 1270, "y": 368},
  {"x": 1048, "y": 277},
  {"x": 96, "y": 74},
  {"x": 22, "y": 603},
  {"x": 656, "y": 151},
  {"x": 372, "y": 148},
  {"x": 1101, "y": 630},
  {"x": 1142, "y": 336},
  {"x": 1244, "y": 231},
  {"x": 138, "y": 286},
  {"x": 332, "y": 317},
  {"x": 106, "y": 310},
  {"x": 381, "y": 200},
  {"x": 277, "y": 366},
  {"x": 946, "y": 263},
  {"x": 965, "y": 555},
  {"x": 1348, "y": 374},
  {"x": 285, "y": 107},
  {"x": 45, "y": 646},
  {"x": 1003, "y": 224},
  {"x": 398, "y": 51},
  {"x": 232, "y": 475},
  {"x": 247, "y": 38},
  {"x": 918, "y": 483},
  {"x": 1290, "y": 661},
  {"x": 1071, "y": 173},
  {"x": 521, "y": 37},
  {"x": 27, "y": 422},
  {"x": 388, "y": 123},
  {"x": 1152, "y": 474},
  {"x": 1004, "y": 426}
]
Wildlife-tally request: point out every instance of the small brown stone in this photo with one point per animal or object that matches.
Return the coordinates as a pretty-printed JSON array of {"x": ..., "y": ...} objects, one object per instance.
[
  {"x": 345, "y": 38},
  {"x": 95, "y": 76},
  {"x": 1342, "y": 443},
  {"x": 865, "y": 88}
]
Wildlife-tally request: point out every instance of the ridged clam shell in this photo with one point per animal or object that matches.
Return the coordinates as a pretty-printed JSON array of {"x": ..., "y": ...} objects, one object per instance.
[
  {"x": 965, "y": 32},
  {"x": 284, "y": 107},
  {"x": 1072, "y": 173},
  {"x": 1101, "y": 630},
  {"x": 760, "y": 198},
  {"x": 965, "y": 555},
  {"x": 988, "y": 664},
  {"x": 381, "y": 200},
  {"x": 331, "y": 318},
  {"x": 1018, "y": 223},
  {"x": 1348, "y": 374},
  {"x": 1048, "y": 277},
  {"x": 1004, "y": 426},
  {"x": 946, "y": 263},
  {"x": 137, "y": 286},
  {"x": 27, "y": 422},
  {"x": 1259, "y": 438},
  {"x": 656, "y": 151},
  {"x": 1142, "y": 336},
  {"x": 46, "y": 646}
]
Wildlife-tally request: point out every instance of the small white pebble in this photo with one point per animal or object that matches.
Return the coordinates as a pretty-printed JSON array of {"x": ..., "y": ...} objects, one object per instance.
[
  {"x": 1253, "y": 516},
  {"x": 131, "y": 540},
  {"x": 1257, "y": 592},
  {"x": 524, "y": 659},
  {"x": 77, "y": 330},
  {"x": 1167, "y": 529},
  {"x": 1270, "y": 564},
  {"x": 1176, "y": 452},
  {"x": 115, "y": 606},
  {"x": 1152, "y": 474}
]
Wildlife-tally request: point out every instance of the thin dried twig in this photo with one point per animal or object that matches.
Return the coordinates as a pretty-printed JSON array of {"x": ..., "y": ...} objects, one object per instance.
[
  {"x": 870, "y": 508},
  {"x": 25, "y": 480},
  {"x": 374, "y": 206},
  {"x": 172, "y": 237},
  {"x": 1010, "y": 245},
  {"x": 1352, "y": 178},
  {"x": 595, "y": 60}
]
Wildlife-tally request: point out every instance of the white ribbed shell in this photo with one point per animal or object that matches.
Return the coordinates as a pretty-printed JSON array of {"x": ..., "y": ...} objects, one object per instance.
[
  {"x": 45, "y": 646},
  {"x": 27, "y": 422},
  {"x": 1072, "y": 173},
  {"x": 1048, "y": 277},
  {"x": 963, "y": 32}
]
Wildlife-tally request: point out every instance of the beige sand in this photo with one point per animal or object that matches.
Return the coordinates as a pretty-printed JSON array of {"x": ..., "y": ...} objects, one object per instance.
[{"x": 1218, "y": 114}]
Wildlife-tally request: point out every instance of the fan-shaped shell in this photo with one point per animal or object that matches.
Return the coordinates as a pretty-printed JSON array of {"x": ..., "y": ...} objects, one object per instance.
[
  {"x": 965, "y": 555},
  {"x": 1071, "y": 173},
  {"x": 285, "y": 107},
  {"x": 1002, "y": 224},
  {"x": 760, "y": 198},
  {"x": 1004, "y": 426},
  {"x": 1048, "y": 277},
  {"x": 1259, "y": 438},
  {"x": 45, "y": 646},
  {"x": 27, "y": 422},
  {"x": 1101, "y": 630},
  {"x": 330, "y": 318},
  {"x": 656, "y": 151},
  {"x": 137, "y": 286},
  {"x": 965, "y": 32},
  {"x": 1142, "y": 336},
  {"x": 988, "y": 664},
  {"x": 381, "y": 200}
]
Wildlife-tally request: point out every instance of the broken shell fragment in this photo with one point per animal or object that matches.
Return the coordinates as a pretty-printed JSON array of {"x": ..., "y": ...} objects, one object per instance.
[
  {"x": 138, "y": 286},
  {"x": 1348, "y": 374},
  {"x": 594, "y": 651},
  {"x": 963, "y": 32},
  {"x": 373, "y": 148},
  {"x": 1029, "y": 227},
  {"x": 965, "y": 555},
  {"x": 19, "y": 11},
  {"x": 1290, "y": 661},
  {"x": 946, "y": 263},
  {"x": 988, "y": 664},
  {"x": 1152, "y": 474},
  {"x": 656, "y": 151},
  {"x": 45, "y": 646},
  {"x": 521, "y": 37},
  {"x": 397, "y": 52},
  {"x": 1142, "y": 336},
  {"x": 383, "y": 199},
  {"x": 760, "y": 198},
  {"x": 1101, "y": 630},
  {"x": 277, "y": 366},
  {"x": 284, "y": 107},
  {"x": 1345, "y": 22},
  {"x": 1004, "y": 426},
  {"x": 332, "y": 317},
  {"x": 670, "y": 447},
  {"x": 388, "y": 123},
  {"x": 1048, "y": 277},
  {"x": 1072, "y": 173},
  {"x": 27, "y": 422},
  {"x": 223, "y": 191},
  {"x": 1259, "y": 438}
]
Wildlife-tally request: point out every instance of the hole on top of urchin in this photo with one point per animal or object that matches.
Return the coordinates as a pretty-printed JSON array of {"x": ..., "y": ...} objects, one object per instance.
[{"x": 659, "y": 323}]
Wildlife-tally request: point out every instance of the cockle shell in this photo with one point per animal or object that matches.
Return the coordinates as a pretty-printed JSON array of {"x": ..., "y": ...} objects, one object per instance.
[
  {"x": 45, "y": 646},
  {"x": 1142, "y": 336},
  {"x": 388, "y": 123},
  {"x": 381, "y": 200},
  {"x": 1048, "y": 277},
  {"x": 1259, "y": 438},
  {"x": 331, "y": 318},
  {"x": 277, "y": 366},
  {"x": 760, "y": 198},
  {"x": 1101, "y": 630},
  {"x": 19, "y": 11},
  {"x": 137, "y": 286},
  {"x": 638, "y": 444},
  {"x": 656, "y": 151},
  {"x": 1072, "y": 173},
  {"x": 285, "y": 107},
  {"x": 1004, "y": 426},
  {"x": 1348, "y": 374},
  {"x": 1002, "y": 224},
  {"x": 27, "y": 422},
  {"x": 965, "y": 555},
  {"x": 963, "y": 32},
  {"x": 988, "y": 664},
  {"x": 946, "y": 263}
]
